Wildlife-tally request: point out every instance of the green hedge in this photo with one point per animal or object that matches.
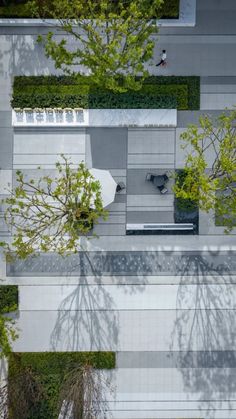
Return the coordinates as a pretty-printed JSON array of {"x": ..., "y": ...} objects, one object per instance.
[
  {"x": 169, "y": 9},
  {"x": 67, "y": 91},
  {"x": 55, "y": 362},
  {"x": 192, "y": 82},
  {"x": 49, "y": 370},
  {"x": 103, "y": 101},
  {"x": 8, "y": 298},
  {"x": 182, "y": 204},
  {"x": 99, "y": 99}
]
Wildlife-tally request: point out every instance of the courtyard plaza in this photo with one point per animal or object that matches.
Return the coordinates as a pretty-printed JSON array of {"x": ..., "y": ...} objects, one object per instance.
[{"x": 164, "y": 303}]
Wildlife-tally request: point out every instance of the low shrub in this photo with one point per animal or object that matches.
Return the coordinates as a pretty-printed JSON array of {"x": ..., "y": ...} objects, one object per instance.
[
  {"x": 8, "y": 298},
  {"x": 170, "y": 9},
  {"x": 79, "y": 91},
  {"x": 96, "y": 101},
  {"x": 193, "y": 83},
  {"x": 181, "y": 204},
  {"x": 48, "y": 370}
]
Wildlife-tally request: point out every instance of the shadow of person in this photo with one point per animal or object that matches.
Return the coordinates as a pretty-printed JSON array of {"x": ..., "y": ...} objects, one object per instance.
[{"x": 204, "y": 332}]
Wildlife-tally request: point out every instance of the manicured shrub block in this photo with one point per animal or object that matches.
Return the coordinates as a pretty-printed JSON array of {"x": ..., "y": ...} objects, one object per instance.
[
  {"x": 8, "y": 298},
  {"x": 68, "y": 91}
]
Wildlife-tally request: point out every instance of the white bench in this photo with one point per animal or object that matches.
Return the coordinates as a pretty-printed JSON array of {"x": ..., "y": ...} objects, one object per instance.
[{"x": 160, "y": 226}]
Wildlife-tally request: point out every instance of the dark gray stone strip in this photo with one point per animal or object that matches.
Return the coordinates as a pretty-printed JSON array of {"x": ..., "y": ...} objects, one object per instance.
[
  {"x": 176, "y": 359},
  {"x": 126, "y": 263},
  {"x": 192, "y": 117}
]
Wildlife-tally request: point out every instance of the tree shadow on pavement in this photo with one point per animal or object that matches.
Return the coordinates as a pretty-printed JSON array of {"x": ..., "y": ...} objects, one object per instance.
[
  {"x": 204, "y": 332},
  {"x": 88, "y": 318}
]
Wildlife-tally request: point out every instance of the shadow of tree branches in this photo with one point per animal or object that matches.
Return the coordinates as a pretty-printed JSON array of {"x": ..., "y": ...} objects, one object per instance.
[{"x": 205, "y": 333}]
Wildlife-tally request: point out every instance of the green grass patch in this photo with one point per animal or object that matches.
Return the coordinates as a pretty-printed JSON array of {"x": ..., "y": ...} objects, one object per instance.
[
  {"x": 49, "y": 369},
  {"x": 8, "y": 298},
  {"x": 65, "y": 91}
]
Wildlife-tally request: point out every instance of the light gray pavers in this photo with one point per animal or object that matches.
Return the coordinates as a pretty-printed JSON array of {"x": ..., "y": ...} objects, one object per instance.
[
  {"x": 151, "y": 297},
  {"x": 217, "y": 100},
  {"x": 35, "y": 148},
  {"x": 207, "y": 225},
  {"x": 156, "y": 200},
  {"x": 151, "y": 148},
  {"x": 124, "y": 330},
  {"x": 182, "y": 153}
]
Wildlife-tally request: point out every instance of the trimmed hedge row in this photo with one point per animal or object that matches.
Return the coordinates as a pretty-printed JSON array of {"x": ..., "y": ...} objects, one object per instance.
[
  {"x": 8, "y": 298},
  {"x": 64, "y": 91},
  {"x": 49, "y": 369},
  {"x": 100, "y": 99},
  {"x": 57, "y": 362},
  {"x": 169, "y": 10}
]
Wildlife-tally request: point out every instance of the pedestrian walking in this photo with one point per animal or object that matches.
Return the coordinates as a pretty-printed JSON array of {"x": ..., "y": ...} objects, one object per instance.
[{"x": 163, "y": 58}]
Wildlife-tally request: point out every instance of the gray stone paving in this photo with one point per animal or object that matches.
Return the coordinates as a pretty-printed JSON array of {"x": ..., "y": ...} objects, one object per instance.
[
  {"x": 108, "y": 147},
  {"x": 176, "y": 359},
  {"x": 126, "y": 263},
  {"x": 6, "y": 140}
]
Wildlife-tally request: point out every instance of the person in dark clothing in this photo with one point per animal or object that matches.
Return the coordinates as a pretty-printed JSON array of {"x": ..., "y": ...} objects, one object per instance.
[{"x": 163, "y": 58}]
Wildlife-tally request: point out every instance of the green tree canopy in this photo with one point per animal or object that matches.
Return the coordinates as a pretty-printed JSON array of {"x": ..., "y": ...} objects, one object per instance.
[
  {"x": 110, "y": 40},
  {"x": 51, "y": 214},
  {"x": 210, "y": 167}
]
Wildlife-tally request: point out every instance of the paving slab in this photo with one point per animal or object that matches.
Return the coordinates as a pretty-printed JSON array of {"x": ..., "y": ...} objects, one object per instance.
[
  {"x": 108, "y": 147},
  {"x": 5, "y": 181},
  {"x": 137, "y": 183},
  {"x": 123, "y": 297},
  {"x": 106, "y": 328},
  {"x": 217, "y": 101},
  {"x": 142, "y": 216}
]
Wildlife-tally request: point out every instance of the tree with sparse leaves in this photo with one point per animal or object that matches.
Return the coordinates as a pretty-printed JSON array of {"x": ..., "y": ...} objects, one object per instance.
[
  {"x": 83, "y": 394},
  {"x": 51, "y": 214},
  {"x": 211, "y": 187},
  {"x": 112, "y": 40},
  {"x": 20, "y": 393}
]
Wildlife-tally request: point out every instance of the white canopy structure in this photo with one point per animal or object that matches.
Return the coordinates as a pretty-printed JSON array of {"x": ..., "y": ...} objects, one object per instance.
[{"x": 108, "y": 185}]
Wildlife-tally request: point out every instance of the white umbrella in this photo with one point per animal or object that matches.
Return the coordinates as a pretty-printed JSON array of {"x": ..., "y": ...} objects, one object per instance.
[{"x": 108, "y": 185}]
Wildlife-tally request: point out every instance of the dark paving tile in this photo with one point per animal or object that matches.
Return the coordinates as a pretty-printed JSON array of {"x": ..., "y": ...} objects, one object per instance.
[
  {"x": 108, "y": 147},
  {"x": 192, "y": 117},
  {"x": 177, "y": 359},
  {"x": 5, "y": 119},
  {"x": 150, "y": 217},
  {"x": 137, "y": 185},
  {"x": 5, "y": 160}
]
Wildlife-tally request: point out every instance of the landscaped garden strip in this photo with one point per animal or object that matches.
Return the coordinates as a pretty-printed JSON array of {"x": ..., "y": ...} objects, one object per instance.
[
  {"x": 49, "y": 369},
  {"x": 8, "y": 298},
  {"x": 169, "y": 10},
  {"x": 157, "y": 92}
]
